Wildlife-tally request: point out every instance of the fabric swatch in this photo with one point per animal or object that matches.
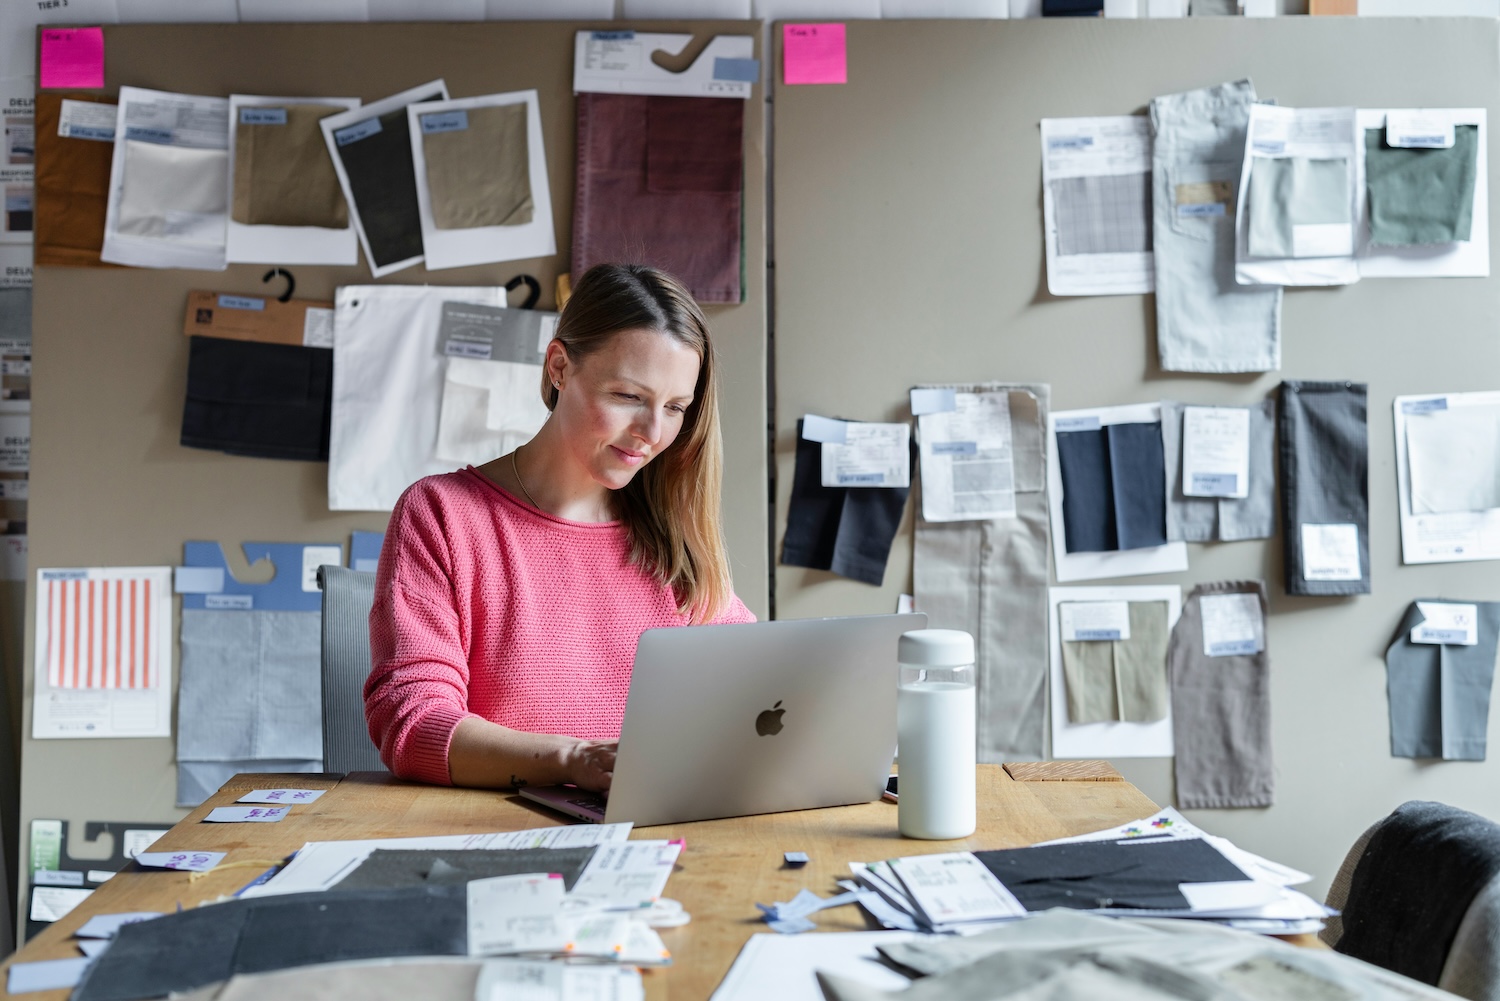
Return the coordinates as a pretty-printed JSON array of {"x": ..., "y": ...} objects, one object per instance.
[
  {"x": 1440, "y": 692},
  {"x": 1421, "y": 196},
  {"x": 395, "y": 868},
  {"x": 1288, "y": 192},
  {"x": 282, "y": 173},
  {"x": 1454, "y": 460},
  {"x": 845, "y": 530},
  {"x": 1114, "y": 487},
  {"x": 1091, "y": 874},
  {"x": 1124, "y": 680},
  {"x": 175, "y": 193},
  {"x": 1227, "y": 519},
  {"x": 1088, "y": 495},
  {"x": 1324, "y": 458},
  {"x": 479, "y": 175},
  {"x": 384, "y": 185},
  {"x": 1221, "y": 713},
  {"x": 273, "y": 401},
  {"x": 989, "y": 578},
  {"x": 489, "y": 408},
  {"x": 1089, "y": 216},
  {"x": 660, "y": 183},
  {"x": 72, "y": 188},
  {"x": 198, "y": 780}
]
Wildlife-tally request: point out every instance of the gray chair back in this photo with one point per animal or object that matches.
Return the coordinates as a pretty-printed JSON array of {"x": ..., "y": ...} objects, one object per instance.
[{"x": 347, "y": 597}]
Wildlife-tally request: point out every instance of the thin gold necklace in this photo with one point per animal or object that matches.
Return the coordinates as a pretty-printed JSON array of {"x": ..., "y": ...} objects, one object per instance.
[{"x": 522, "y": 482}]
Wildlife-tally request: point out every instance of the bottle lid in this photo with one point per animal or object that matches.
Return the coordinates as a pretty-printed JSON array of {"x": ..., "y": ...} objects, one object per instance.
[{"x": 936, "y": 647}]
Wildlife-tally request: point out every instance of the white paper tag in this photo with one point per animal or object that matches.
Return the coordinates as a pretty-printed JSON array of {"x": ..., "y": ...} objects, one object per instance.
[
  {"x": 1442, "y": 623},
  {"x": 629, "y": 875},
  {"x": 52, "y": 903},
  {"x": 282, "y": 796},
  {"x": 1330, "y": 552},
  {"x": 87, "y": 120},
  {"x": 1094, "y": 621},
  {"x": 510, "y": 914},
  {"x": 138, "y": 840},
  {"x": 1417, "y": 128},
  {"x": 246, "y": 814},
  {"x": 955, "y": 886},
  {"x": 314, "y": 557},
  {"x": 933, "y": 401},
  {"x": 317, "y": 328},
  {"x": 871, "y": 455},
  {"x": 187, "y": 861},
  {"x": 824, "y": 429},
  {"x": 1232, "y": 625},
  {"x": 1215, "y": 451},
  {"x": 1330, "y": 239}
]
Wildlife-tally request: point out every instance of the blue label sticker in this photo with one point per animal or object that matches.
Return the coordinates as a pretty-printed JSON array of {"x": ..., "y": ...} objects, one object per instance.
[
  {"x": 1096, "y": 634},
  {"x": 238, "y": 602},
  {"x": 1455, "y": 636},
  {"x": 1070, "y": 142},
  {"x": 613, "y": 36},
  {"x": 1424, "y": 406},
  {"x": 19, "y": 202},
  {"x": 145, "y": 135},
  {"x": 1233, "y": 648},
  {"x": 262, "y": 116},
  {"x": 241, "y": 302},
  {"x": 861, "y": 479},
  {"x": 1065, "y": 424},
  {"x": 94, "y": 132},
  {"x": 359, "y": 130},
  {"x": 955, "y": 448},
  {"x": 1201, "y": 210},
  {"x": 1215, "y": 484},
  {"x": 1272, "y": 147},
  {"x": 65, "y": 575},
  {"x": 444, "y": 121},
  {"x": 742, "y": 70}
]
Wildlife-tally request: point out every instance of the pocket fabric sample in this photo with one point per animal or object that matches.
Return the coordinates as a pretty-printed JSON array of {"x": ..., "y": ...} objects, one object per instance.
[
  {"x": 660, "y": 182},
  {"x": 1089, "y": 217},
  {"x": 1114, "y": 487},
  {"x": 176, "y": 193},
  {"x": 1440, "y": 692},
  {"x": 282, "y": 173},
  {"x": 1325, "y": 489},
  {"x": 1125, "y": 680},
  {"x": 1454, "y": 460},
  {"x": 489, "y": 408},
  {"x": 273, "y": 401},
  {"x": 844, "y": 530},
  {"x": 1421, "y": 196},
  {"x": 1290, "y": 193},
  {"x": 1205, "y": 321},
  {"x": 1221, "y": 713},
  {"x": 1227, "y": 519},
  {"x": 72, "y": 186},
  {"x": 989, "y": 578},
  {"x": 479, "y": 175}
]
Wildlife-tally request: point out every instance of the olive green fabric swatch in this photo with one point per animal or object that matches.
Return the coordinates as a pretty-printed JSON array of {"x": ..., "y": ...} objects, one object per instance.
[
  {"x": 283, "y": 175},
  {"x": 1421, "y": 196},
  {"x": 480, "y": 175},
  {"x": 1124, "y": 680}
]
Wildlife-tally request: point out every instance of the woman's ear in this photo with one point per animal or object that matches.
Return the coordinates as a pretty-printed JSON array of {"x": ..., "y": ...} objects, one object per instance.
[{"x": 557, "y": 364}]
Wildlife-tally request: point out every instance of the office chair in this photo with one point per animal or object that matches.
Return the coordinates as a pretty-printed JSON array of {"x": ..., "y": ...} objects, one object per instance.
[
  {"x": 1421, "y": 841},
  {"x": 347, "y": 597}
]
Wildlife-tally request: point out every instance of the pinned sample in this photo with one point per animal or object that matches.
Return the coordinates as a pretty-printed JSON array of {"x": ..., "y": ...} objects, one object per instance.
[
  {"x": 168, "y": 187},
  {"x": 103, "y": 662},
  {"x": 371, "y": 151},
  {"x": 1096, "y": 205},
  {"x": 1108, "y": 657},
  {"x": 1325, "y": 487},
  {"x": 492, "y": 397},
  {"x": 1440, "y": 667},
  {"x": 75, "y": 138},
  {"x": 1221, "y": 479},
  {"x": 286, "y": 205},
  {"x": 968, "y": 467},
  {"x": 271, "y": 401},
  {"x": 1425, "y": 179},
  {"x": 1205, "y": 321},
  {"x": 1448, "y": 477},
  {"x": 481, "y": 173}
]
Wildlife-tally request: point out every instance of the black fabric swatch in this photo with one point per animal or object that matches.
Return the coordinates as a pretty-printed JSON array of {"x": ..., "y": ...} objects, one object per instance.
[
  {"x": 388, "y": 868},
  {"x": 273, "y": 401},
  {"x": 1092, "y": 874},
  {"x": 384, "y": 185}
]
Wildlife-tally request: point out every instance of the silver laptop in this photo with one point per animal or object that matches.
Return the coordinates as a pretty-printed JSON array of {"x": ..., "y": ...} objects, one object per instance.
[{"x": 726, "y": 721}]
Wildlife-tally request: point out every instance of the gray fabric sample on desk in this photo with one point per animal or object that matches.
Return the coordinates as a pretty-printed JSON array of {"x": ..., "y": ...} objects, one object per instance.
[
  {"x": 1286, "y": 192},
  {"x": 1421, "y": 196},
  {"x": 989, "y": 578},
  {"x": 1090, "y": 218},
  {"x": 1324, "y": 458},
  {"x": 1226, "y": 519},
  {"x": 1205, "y": 320},
  {"x": 1120, "y": 679},
  {"x": 395, "y": 868},
  {"x": 1440, "y": 692},
  {"x": 178, "y": 952},
  {"x": 1221, "y": 713}
]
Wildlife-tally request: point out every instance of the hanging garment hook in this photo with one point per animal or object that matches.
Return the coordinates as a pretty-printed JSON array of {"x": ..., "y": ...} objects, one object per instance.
[
  {"x": 291, "y": 283},
  {"x": 533, "y": 289}
]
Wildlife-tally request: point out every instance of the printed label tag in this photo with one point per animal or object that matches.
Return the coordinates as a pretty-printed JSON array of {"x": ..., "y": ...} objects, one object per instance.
[
  {"x": 226, "y": 602},
  {"x": 933, "y": 401},
  {"x": 187, "y": 861},
  {"x": 262, "y": 116},
  {"x": 494, "y": 333},
  {"x": 1201, "y": 210},
  {"x": 87, "y": 120},
  {"x": 314, "y": 557},
  {"x": 1077, "y": 424},
  {"x": 1094, "y": 621},
  {"x": 1070, "y": 142},
  {"x": 354, "y": 133},
  {"x": 444, "y": 121},
  {"x": 241, "y": 302},
  {"x": 1330, "y": 552},
  {"x": 1215, "y": 451},
  {"x": 246, "y": 814},
  {"x": 283, "y": 796},
  {"x": 1448, "y": 624},
  {"x": 1232, "y": 625},
  {"x": 1418, "y": 129},
  {"x": 1428, "y": 406}
]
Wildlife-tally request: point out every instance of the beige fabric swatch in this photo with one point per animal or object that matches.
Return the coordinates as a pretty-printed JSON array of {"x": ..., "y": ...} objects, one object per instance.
[
  {"x": 480, "y": 175},
  {"x": 283, "y": 175},
  {"x": 1124, "y": 680}
]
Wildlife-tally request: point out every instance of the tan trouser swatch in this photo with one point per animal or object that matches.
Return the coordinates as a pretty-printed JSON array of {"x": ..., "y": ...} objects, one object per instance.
[
  {"x": 480, "y": 176},
  {"x": 283, "y": 175},
  {"x": 1121, "y": 680}
]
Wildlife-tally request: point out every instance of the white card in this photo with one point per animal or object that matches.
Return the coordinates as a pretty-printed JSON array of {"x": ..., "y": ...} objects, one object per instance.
[
  {"x": 871, "y": 455},
  {"x": 629, "y": 874},
  {"x": 187, "y": 861},
  {"x": 955, "y": 886},
  {"x": 1090, "y": 621},
  {"x": 824, "y": 429},
  {"x": 1330, "y": 552},
  {"x": 246, "y": 814},
  {"x": 509, "y": 914},
  {"x": 52, "y": 903},
  {"x": 1456, "y": 625},
  {"x": 1215, "y": 451},
  {"x": 1419, "y": 128},
  {"x": 1232, "y": 625},
  {"x": 287, "y": 796},
  {"x": 105, "y": 925},
  {"x": 314, "y": 557}
]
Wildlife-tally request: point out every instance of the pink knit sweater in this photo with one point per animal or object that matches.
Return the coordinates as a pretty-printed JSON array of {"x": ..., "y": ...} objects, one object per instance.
[{"x": 486, "y": 606}]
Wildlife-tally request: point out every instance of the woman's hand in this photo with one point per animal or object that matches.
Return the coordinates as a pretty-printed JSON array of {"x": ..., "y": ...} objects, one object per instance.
[{"x": 590, "y": 764}]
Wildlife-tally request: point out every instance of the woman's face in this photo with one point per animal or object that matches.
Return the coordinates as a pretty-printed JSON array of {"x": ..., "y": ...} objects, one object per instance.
[{"x": 621, "y": 406}]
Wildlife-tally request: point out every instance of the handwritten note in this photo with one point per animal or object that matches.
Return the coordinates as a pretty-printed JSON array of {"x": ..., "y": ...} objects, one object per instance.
[
  {"x": 246, "y": 814},
  {"x": 814, "y": 53},
  {"x": 187, "y": 861},
  {"x": 72, "y": 57},
  {"x": 287, "y": 796}
]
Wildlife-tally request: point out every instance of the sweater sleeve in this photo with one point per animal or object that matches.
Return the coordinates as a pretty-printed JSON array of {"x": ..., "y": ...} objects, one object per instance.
[{"x": 736, "y": 612}]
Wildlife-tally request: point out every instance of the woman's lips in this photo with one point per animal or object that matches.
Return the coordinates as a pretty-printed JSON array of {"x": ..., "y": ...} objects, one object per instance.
[{"x": 628, "y": 457}]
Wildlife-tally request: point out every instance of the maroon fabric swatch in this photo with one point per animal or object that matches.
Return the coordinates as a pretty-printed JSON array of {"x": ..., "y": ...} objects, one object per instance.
[{"x": 659, "y": 183}]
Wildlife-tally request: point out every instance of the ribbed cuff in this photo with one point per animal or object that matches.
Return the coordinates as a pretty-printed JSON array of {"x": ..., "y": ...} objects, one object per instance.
[{"x": 425, "y": 756}]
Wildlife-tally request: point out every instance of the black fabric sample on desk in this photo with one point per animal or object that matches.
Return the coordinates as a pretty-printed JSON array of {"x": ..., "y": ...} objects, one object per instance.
[
  {"x": 179, "y": 952},
  {"x": 1114, "y": 487},
  {"x": 1088, "y": 497},
  {"x": 273, "y": 401},
  {"x": 384, "y": 185},
  {"x": 1092, "y": 874},
  {"x": 847, "y": 530},
  {"x": 388, "y": 868},
  {"x": 1412, "y": 887}
]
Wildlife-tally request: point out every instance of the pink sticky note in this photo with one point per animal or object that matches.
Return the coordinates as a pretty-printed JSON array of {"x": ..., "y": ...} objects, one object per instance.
[
  {"x": 72, "y": 57},
  {"x": 814, "y": 53}
]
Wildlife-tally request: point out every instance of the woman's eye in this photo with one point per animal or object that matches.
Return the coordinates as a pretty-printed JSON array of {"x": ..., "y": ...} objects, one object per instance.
[{"x": 628, "y": 396}]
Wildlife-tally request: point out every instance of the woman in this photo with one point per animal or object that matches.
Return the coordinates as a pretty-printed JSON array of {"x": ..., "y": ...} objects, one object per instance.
[{"x": 510, "y": 597}]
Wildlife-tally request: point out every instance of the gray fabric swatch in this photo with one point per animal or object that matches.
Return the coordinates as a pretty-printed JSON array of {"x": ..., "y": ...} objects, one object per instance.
[
  {"x": 1103, "y": 214},
  {"x": 1226, "y": 519},
  {"x": 198, "y": 780},
  {"x": 989, "y": 578},
  {"x": 1294, "y": 191},
  {"x": 1440, "y": 693},
  {"x": 1120, "y": 679},
  {"x": 1421, "y": 196},
  {"x": 1221, "y": 713},
  {"x": 1324, "y": 457},
  {"x": 394, "y": 868}
]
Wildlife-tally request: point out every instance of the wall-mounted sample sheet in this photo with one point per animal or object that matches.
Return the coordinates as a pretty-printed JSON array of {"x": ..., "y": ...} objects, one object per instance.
[
  {"x": 169, "y": 181},
  {"x": 250, "y": 398},
  {"x": 492, "y": 391},
  {"x": 371, "y": 151},
  {"x": 1107, "y": 478},
  {"x": 1096, "y": 205},
  {"x": 1325, "y": 487},
  {"x": 1448, "y": 477},
  {"x": 1424, "y": 184},
  {"x": 103, "y": 662},
  {"x": 481, "y": 173},
  {"x": 75, "y": 144},
  {"x": 18, "y": 160},
  {"x": 1108, "y": 657},
  {"x": 1221, "y": 479},
  {"x": 968, "y": 466},
  {"x": 1298, "y": 200},
  {"x": 1440, "y": 668},
  {"x": 285, "y": 202}
]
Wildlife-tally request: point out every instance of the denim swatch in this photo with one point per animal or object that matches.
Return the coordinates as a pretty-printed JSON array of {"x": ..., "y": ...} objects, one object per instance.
[
  {"x": 1324, "y": 457},
  {"x": 1420, "y": 196},
  {"x": 1114, "y": 487},
  {"x": 1440, "y": 692},
  {"x": 273, "y": 401}
]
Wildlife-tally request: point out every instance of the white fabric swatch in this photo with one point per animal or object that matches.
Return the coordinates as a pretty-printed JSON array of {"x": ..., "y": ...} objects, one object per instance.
[
  {"x": 175, "y": 193},
  {"x": 1455, "y": 460},
  {"x": 489, "y": 408}
]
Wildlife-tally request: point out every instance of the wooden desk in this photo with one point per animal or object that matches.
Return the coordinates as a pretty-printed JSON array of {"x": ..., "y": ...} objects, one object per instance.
[{"x": 728, "y": 864}]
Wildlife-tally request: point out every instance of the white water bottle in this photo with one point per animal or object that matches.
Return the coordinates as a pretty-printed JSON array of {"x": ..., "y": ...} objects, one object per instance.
[{"x": 935, "y": 741}]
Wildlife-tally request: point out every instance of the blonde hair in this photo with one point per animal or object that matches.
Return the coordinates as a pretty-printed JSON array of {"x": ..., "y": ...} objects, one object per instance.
[{"x": 671, "y": 507}]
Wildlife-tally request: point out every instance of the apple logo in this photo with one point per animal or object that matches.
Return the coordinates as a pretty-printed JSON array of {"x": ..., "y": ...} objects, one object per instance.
[{"x": 768, "y": 723}]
